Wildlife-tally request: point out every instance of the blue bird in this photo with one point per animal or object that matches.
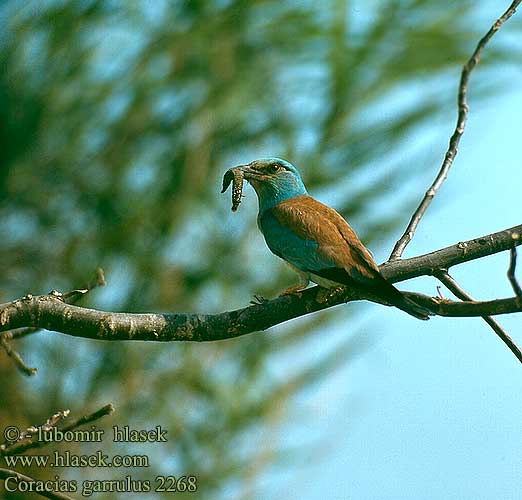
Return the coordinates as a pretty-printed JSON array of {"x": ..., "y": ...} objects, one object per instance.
[{"x": 313, "y": 238}]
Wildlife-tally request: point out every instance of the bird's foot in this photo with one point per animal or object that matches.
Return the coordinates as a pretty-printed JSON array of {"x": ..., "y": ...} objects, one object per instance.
[
  {"x": 258, "y": 300},
  {"x": 324, "y": 294},
  {"x": 293, "y": 289}
]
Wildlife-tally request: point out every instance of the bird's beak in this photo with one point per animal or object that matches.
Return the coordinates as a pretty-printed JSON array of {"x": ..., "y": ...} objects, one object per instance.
[{"x": 248, "y": 172}]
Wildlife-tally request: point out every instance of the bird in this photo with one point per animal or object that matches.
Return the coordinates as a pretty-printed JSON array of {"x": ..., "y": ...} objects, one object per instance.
[{"x": 314, "y": 239}]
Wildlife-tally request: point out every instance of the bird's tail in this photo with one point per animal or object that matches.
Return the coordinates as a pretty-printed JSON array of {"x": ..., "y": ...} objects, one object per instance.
[
  {"x": 383, "y": 291},
  {"x": 396, "y": 298},
  {"x": 412, "y": 308}
]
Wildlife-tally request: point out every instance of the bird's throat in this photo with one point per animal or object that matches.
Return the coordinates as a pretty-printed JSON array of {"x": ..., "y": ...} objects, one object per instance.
[{"x": 270, "y": 194}]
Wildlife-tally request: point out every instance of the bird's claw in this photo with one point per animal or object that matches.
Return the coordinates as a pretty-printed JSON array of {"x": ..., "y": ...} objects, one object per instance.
[
  {"x": 293, "y": 289},
  {"x": 324, "y": 294},
  {"x": 258, "y": 300}
]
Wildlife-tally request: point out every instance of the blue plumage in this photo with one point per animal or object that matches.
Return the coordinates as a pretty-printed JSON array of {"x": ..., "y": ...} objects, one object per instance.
[{"x": 285, "y": 243}]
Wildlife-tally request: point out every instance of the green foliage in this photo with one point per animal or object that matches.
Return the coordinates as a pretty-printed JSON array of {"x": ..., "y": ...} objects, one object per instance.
[{"x": 118, "y": 120}]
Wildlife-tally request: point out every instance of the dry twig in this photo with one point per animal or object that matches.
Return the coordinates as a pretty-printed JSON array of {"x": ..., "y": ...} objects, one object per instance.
[
  {"x": 5, "y": 339},
  {"x": 511, "y": 270},
  {"x": 26, "y": 442},
  {"x": 453, "y": 286},
  {"x": 20, "y": 447},
  {"x": 462, "y": 114}
]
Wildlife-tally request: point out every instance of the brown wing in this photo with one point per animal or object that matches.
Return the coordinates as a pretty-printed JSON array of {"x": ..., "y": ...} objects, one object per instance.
[
  {"x": 337, "y": 242},
  {"x": 352, "y": 263}
]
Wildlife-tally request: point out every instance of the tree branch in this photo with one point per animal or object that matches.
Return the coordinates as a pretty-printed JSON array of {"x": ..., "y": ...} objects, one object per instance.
[
  {"x": 52, "y": 313},
  {"x": 70, "y": 297},
  {"x": 462, "y": 114},
  {"x": 464, "y": 251}
]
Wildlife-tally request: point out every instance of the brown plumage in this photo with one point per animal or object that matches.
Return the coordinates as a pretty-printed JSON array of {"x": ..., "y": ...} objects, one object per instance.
[{"x": 352, "y": 264}]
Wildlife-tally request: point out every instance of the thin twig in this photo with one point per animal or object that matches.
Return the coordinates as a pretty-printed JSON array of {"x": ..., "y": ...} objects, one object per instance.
[
  {"x": 511, "y": 272},
  {"x": 22, "y": 446},
  {"x": 5, "y": 474},
  {"x": 91, "y": 417},
  {"x": 453, "y": 286},
  {"x": 14, "y": 355},
  {"x": 462, "y": 114},
  {"x": 51, "y": 422}
]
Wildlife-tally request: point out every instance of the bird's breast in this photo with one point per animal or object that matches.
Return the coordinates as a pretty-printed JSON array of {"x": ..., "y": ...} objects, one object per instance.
[{"x": 284, "y": 242}]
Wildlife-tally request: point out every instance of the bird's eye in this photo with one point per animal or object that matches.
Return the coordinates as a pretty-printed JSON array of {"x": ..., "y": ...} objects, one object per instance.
[{"x": 275, "y": 168}]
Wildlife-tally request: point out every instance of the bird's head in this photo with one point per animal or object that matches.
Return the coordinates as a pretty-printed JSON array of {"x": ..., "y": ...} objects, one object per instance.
[{"x": 274, "y": 180}]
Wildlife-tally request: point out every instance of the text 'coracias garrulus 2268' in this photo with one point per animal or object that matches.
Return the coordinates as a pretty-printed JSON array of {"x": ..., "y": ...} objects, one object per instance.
[{"x": 314, "y": 239}]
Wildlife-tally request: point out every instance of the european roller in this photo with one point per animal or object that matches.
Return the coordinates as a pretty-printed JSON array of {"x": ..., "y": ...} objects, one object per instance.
[{"x": 313, "y": 238}]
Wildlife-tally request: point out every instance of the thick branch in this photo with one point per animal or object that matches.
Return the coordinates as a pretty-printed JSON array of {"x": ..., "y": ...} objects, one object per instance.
[
  {"x": 50, "y": 312},
  {"x": 445, "y": 258},
  {"x": 462, "y": 113}
]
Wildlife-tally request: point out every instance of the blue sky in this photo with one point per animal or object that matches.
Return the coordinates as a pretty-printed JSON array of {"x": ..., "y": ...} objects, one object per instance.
[{"x": 430, "y": 410}]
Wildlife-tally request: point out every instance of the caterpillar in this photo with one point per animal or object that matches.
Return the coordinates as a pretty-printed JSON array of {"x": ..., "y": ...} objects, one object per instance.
[{"x": 234, "y": 176}]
